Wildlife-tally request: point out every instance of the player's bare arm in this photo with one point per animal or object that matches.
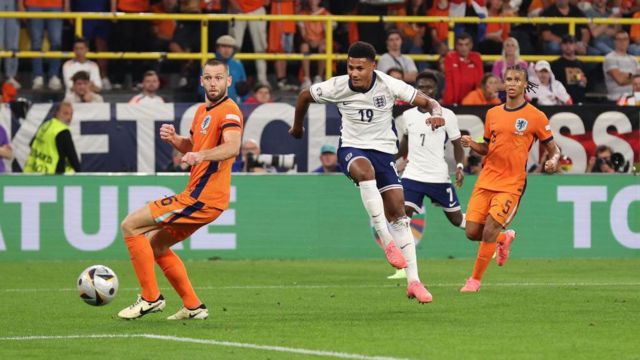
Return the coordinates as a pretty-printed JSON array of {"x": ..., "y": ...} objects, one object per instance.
[
  {"x": 432, "y": 107},
  {"x": 458, "y": 154},
  {"x": 302, "y": 105},
  {"x": 228, "y": 149},
  {"x": 180, "y": 143},
  {"x": 480, "y": 148},
  {"x": 551, "y": 165},
  {"x": 403, "y": 149}
]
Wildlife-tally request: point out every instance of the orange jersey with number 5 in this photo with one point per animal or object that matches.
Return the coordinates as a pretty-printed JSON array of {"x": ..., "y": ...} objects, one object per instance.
[
  {"x": 510, "y": 134},
  {"x": 210, "y": 181}
]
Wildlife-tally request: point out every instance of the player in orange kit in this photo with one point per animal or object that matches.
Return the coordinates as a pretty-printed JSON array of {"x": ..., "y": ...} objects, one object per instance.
[
  {"x": 150, "y": 231},
  {"x": 509, "y": 132}
]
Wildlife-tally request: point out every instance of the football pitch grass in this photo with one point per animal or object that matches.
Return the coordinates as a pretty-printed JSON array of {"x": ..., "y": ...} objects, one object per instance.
[{"x": 530, "y": 309}]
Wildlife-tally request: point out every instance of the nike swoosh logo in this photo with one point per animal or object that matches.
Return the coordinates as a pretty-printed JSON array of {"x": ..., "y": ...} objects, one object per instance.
[
  {"x": 405, "y": 245},
  {"x": 144, "y": 312},
  {"x": 453, "y": 203},
  {"x": 192, "y": 315}
]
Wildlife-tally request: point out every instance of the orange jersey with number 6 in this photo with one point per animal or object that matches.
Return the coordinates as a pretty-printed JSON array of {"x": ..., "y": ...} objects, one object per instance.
[{"x": 510, "y": 134}]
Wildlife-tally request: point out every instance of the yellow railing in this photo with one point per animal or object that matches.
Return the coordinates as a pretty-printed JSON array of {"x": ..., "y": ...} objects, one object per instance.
[{"x": 328, "y": 56}]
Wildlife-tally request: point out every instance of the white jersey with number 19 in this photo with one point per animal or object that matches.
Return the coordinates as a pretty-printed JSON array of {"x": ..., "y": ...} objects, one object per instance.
[{"x": 367, "y": 120}]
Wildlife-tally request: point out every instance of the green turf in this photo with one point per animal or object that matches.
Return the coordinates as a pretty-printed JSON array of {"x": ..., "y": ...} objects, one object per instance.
[{"x": 530, "y": 309}]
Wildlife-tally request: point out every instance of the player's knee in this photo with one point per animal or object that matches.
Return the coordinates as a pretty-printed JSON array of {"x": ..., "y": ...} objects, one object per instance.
[
  {"x": 473, "y": 234},
  {"x": 158, "y": 249},
  {"x": 128, "y": 227}
]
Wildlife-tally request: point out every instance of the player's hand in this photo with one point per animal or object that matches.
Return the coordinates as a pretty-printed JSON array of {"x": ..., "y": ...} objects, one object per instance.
[
  {"x": 551, "y": 166},
  {"x": 466, "y": 140},
  {"x": 168, "y": 133},
  {"x": 435, "y": 122},
  {"x": 192, "y": 158},
  {"x": 459, "y": 178},
  {"x": 296, "y": 132}
]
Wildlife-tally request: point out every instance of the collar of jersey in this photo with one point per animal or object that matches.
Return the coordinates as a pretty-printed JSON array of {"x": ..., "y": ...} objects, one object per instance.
[
  {"x": 208, "y": 108},
  {"x": 516, "y": 109},
  {"x": 373, "y": 82}
]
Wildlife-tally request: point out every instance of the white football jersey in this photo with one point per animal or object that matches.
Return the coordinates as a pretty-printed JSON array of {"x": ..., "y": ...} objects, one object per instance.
[
  {"x": 367, "y": 121},
  {"x": 426, "y": 161}
]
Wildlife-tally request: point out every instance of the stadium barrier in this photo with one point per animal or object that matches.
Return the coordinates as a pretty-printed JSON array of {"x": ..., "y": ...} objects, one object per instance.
[
  {"x": 124, "y": 137},
  {"x": 328, "y": 56},
  {"x": 305, "y": 217}
]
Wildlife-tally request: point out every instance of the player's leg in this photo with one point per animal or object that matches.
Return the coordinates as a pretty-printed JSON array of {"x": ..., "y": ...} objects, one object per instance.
[
  {"x": 175, "y": 271},
  {"x": 477, "y": 213},
  {"x": 134, "y": 226},
  {"x": 359, "y": 168}
]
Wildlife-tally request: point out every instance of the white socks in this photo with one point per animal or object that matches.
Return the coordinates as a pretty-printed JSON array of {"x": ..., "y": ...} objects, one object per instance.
[
  {"x": 372, "y": 201},
  {"x": 401, "y": 232}
]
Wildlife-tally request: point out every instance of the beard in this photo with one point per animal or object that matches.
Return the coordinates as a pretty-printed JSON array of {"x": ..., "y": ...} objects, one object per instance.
[{"x": 215, "y": 99}]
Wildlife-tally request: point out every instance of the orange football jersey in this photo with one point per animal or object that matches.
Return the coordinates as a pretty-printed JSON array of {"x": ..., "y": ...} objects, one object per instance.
[
  {"x": 210, "y": 181},
  {"x": 510, "y": 134}
]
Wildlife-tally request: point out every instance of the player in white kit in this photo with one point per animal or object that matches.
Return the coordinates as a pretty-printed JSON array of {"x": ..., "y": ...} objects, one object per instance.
[
  {"x": 427, "y": 172},
  {"x": 368, "y": 144}
]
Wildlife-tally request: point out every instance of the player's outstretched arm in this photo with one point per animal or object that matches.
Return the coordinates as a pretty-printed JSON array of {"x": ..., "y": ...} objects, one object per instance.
[
  {"x": 302, "y": 106},
  {"x": 480, "y": 148},
  {"x": 180, "y": 143},
  {"x": 230, "y": 148},
  {"x": 403, "y": 150},
  {"x": 551, "y": 165},
  {"x": 433, "y": 107}
]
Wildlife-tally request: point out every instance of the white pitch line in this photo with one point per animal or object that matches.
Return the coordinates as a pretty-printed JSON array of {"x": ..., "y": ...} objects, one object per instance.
[
  {"x": 339, "y": 355},
  {"x": 327, "y": 286}
]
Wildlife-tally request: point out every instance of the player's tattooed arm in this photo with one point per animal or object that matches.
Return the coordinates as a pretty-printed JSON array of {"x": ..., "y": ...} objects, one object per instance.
[
  {"x": 480, "y": 148},
  {"x": 551, "y": 165},
  {"x": 180, "y": 143},
  {"x": 431, "y": 106},
  {"x": 302, "y": 106},
  {"x": 229, "y": 148}
]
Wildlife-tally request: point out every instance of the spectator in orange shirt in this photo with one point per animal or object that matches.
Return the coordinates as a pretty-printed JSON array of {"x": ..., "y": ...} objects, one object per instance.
[
  {"x": 163, "y": 29},
  {"x": 281, "y": 40},
  {"x": 486, "y": 94},
  {"x": 495, "y": 33},
  {"x": 257, "y": 30},
  {"x": 313, "y": 39},
  {"x": 634, "y": 34},
  {"x": 439, "y": 32}
]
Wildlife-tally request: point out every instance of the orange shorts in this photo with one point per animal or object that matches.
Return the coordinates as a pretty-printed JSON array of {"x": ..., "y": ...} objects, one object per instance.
[
  {"x": 502, "y": 206},
  {"x": 181, "y": 215}
]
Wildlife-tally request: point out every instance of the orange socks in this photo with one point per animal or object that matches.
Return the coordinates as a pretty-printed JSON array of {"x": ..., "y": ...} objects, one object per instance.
[
  {"x": 176, "y": 273},
  {"x": 141, "y": 256},
  {"x": 501, "y": 238},
  {"x": 485, "y": 253}
]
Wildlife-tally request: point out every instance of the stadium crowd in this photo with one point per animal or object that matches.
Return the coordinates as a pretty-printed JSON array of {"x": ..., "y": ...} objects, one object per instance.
[{"x": 460, "y": 74}]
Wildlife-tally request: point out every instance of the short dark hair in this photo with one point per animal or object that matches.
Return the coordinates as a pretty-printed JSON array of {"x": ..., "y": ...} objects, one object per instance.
[
  {"x": 531, "y": 87},
  {"x": 260, "y": 86},
  {"x": 464, "y": 36},
  {"x": 80, "y": 75},
  {"x": 393, "y": 31},
  {"x": 149, "y": 73},
  {"x": 80, "y": 39},
  {"x": 361, "y": 49},
  {"x": 216, "y": 62},
  {"x": 395, "y": 69},
  {"x": 428, "y": 75},
  {"x": 486, "y": 78}
]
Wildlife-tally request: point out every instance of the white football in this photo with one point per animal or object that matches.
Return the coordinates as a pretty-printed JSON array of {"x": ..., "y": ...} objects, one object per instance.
[{"x": 98, "y": 285}]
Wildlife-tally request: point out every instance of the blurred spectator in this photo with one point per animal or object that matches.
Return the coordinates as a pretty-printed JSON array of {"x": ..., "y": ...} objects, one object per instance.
[
  {"x": 97, "y": 32},
  {"x": 602, "y": 34},
  {"x": 225, "y": 49},
  {"x": 438, "y": 33},
  {"x": 52, "y": 150},
  {"x": 261, "y": 95},
  {"x": 216, "y": 28},
  {"x": 248, "y": 152},
  {"x": 374, "y": 33},
  {"x": 9, "y": 92},
  {"x": 149, "y": 94},
  {"x": 510, "y": 57},
  {"x": 550, "y": 91},
  {"x": 9, "y": 40},
  {"x": 393, "y": 58},
  {"x": 396, "y": 73},
  {"x": 177, "y": 165},
  {"x": 186, "y": 38},
  {"x": 257, "y": 30},
  {"x": 6, "y": 153},
  {"x": 601, "y": 163},
  {"x": 281, "y": 41},
  {"x": 313, "y": 35},
  {"x": 463, "y": 70},
  {"x": 552, "y": 34},
  {"x": 163, "y": 30},
  {"x": 496, "y": 34},
  {"x": 632, "y": 99},
  {"x": 570, "y": 71},
  {"x": 634, "y": 34},
  {"x": 54, "y": 35},
  {"x": 81, "y": 90},
  {"x": 329, "y": 160},
  {"x": 81, "y": 63},
  {"x": 412, "y": 33},
  {"x": 131, "y": 36},
  {"x": 619, "y": 68},
  {"x": 486, "y": 93}
]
